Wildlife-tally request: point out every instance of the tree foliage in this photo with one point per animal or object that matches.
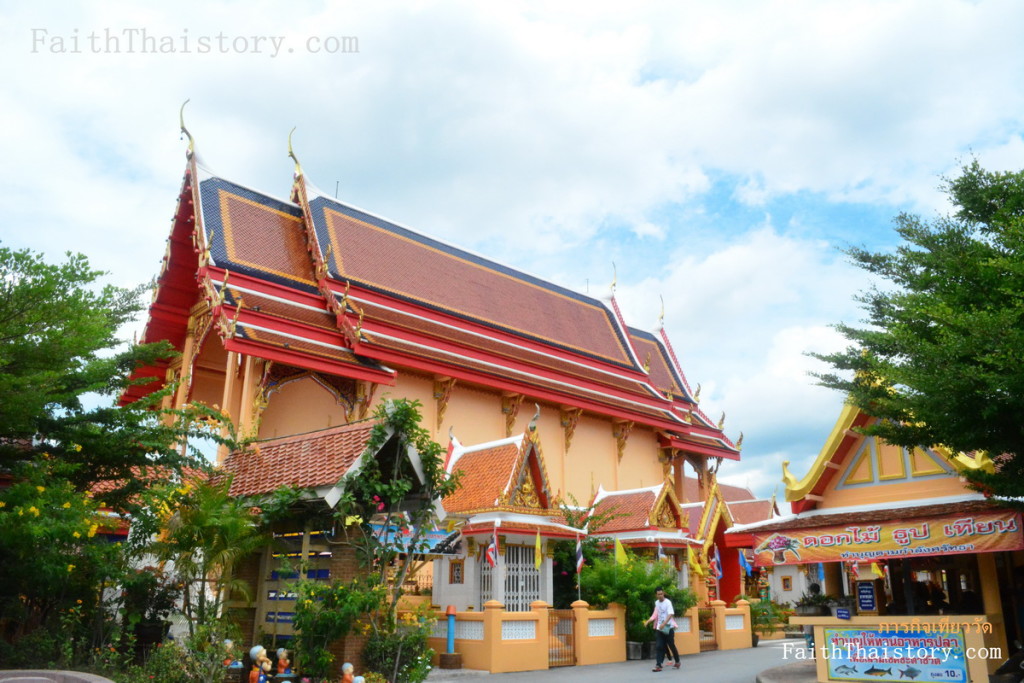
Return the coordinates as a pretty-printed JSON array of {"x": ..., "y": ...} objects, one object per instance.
[
  {"x": 940, "y": 360},
  {"x": 633, "y": 586},
  {"x": 59, "y": 344}
]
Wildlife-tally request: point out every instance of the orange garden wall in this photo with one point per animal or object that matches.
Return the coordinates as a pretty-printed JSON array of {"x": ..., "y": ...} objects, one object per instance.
[{"x": 501, "y": 642}]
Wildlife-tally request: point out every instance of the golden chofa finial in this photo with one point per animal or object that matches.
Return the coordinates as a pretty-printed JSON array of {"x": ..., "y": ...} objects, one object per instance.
[
  {"x": 184, "y": 130},
  {"x": 721, "y": 420},
  {"x": 739, "y": 442},
  {"x": 696, "y": 394},
  {"x": 291, "y": 153}
]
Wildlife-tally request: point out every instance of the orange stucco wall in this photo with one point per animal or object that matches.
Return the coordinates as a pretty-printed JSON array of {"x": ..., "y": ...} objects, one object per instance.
[
  {"x": 300, "y": 406},
  {"x": 639, "y": 466}
]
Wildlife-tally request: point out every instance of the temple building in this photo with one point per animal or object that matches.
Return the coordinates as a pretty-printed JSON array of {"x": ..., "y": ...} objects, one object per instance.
[
  {"x": 903, "y": 546},
  {"x": 297, "y": 316}
]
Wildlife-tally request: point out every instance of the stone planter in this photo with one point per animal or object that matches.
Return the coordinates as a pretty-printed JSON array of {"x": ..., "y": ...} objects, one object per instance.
[{"x": 634, "y": 650}]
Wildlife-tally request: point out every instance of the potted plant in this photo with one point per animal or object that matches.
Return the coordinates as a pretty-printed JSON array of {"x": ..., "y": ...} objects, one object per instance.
[
  {"x": 765, "y": 618},
  {"x": 812, "y": 604}
]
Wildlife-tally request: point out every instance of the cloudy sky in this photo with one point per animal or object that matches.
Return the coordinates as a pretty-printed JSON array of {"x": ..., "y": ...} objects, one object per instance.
[{"x": 719, "y": 154}]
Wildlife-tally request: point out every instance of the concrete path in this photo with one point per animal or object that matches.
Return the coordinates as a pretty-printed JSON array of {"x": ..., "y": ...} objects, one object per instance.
[{"x": 731, "y": 666}]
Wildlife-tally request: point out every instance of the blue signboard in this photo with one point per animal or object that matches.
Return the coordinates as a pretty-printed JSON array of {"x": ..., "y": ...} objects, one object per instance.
[
  {"x": 842, "y": 613},
  {"x": 857, "y": 654},
  {"x": 866, "y": 596}
]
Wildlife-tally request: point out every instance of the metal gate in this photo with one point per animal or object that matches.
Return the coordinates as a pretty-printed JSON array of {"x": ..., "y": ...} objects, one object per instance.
[
  {"x": 561, "y": 640},
  {"x": 706, "y": 625},
  {"x": 522, "y": 579}
]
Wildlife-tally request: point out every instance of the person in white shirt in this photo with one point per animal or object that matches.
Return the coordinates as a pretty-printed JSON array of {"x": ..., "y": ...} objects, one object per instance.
[{"x": 664, "y": 621}]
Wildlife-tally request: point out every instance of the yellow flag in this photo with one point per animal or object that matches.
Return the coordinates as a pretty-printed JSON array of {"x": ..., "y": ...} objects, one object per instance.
[
  {"x": 876, "y": 569},
  {"x": 537, "y": 552},
  {"x": 691, "y": 559},
  {"x": 620, "y": 552}
]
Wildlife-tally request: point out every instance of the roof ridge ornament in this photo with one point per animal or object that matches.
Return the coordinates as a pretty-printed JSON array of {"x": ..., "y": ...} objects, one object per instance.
[
  {"x": 291, "y": 153},
  {"x": 536, "y": 416},
  {"x": 184, "y": 130},
  {"x": 615, "y": 278},
  {"x": 661, "y": 316}
]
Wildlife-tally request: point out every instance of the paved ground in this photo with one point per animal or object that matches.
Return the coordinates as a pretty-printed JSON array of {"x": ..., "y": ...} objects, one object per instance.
[{"x": 732, "y": 666}]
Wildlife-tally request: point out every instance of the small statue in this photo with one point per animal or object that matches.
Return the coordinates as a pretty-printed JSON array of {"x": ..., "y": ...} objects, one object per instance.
[
  {"x": 260, "y": 665},
  {"x": 347, "y": 671},
  {"x": 229, "y": 656},
  {"x": 284, "y": 665}
]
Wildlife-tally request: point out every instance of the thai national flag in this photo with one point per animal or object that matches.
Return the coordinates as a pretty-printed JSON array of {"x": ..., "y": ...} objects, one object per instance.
[
  {"x": 717, "y": 564},
  {"x": 491, "y": 554},
  {"x": 579, "y": 555}
]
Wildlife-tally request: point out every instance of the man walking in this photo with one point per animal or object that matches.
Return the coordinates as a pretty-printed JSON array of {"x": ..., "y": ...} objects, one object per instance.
[{"x": 664, "y": 629}]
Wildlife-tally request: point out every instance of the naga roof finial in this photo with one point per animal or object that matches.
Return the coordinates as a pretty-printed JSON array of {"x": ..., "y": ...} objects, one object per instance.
[
  {"x": 291, "y": 153},
  {"x": 661, "y": 316},
  {"x": 536, "y": 416},
  {"x": 615, "y": 277},
  {"x": 184, "y": 130}
]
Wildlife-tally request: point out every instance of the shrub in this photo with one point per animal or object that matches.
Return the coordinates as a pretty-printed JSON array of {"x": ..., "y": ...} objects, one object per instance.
[{"x": 633, "y": 585}]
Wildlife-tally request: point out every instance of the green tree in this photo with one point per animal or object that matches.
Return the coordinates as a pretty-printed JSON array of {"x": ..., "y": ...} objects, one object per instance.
[
  {"x": 205, "y": 533},
  {"x": 59, "y": 343},
  {"x": 940, "y": 360}
]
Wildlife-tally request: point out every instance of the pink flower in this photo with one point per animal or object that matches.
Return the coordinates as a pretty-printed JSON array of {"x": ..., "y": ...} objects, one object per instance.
[{"x": 565, "y": 573}]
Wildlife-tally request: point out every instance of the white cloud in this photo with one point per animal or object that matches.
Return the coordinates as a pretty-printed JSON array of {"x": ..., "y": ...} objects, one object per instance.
[{"x": 559, "y": 138}]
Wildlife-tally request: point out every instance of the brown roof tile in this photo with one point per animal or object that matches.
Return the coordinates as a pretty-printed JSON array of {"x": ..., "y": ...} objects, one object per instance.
[
  {"x": 750, "y": 511},
  {"x": 387, "y": 258},
  {"x": 305, "y": 460},
  {"x": 485, "y": 475},
  {"x": 631, "y": 510}
]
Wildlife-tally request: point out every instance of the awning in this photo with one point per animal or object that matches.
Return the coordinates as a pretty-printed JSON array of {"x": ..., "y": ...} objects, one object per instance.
[{"x": 864, "y": 540}]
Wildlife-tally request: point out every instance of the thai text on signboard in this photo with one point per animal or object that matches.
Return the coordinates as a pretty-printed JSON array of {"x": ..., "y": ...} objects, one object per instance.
[{"x": 948, "y": 535}]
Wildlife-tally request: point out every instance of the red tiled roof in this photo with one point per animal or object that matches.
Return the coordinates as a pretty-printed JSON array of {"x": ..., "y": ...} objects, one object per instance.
[
  {"x": 252, "y": 301},
  {"x": 491, "y": 344},
  {"x": 486, "y": 474},
  {"x": 305, "y": 460},
  {"x": 630, "y": 510},
  {"x": 659, "y": 370},
  {"x": 387, "y": 258},
  {"x": 256, "y": 233},
  {"x": 512, "y": 375},
  {"x": 750, "y": 511},
  {"x": 691, "y": 492}
]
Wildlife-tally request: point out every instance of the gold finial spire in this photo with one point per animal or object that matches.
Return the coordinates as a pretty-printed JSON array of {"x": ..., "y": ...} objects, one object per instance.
[
  {"x": 184, "y": 130},
  {"x": 291, "y": 153}
]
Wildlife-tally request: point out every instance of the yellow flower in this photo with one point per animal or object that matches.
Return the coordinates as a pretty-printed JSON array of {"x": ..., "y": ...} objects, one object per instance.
[
  {"x": 77, "y": 535},
  {"x": 71, "y": 567},
  {"x": 66, "y": 505},
  {"x": 20, "y": 512},
  {"x": 34, "y": 510},
  {"x": 40, "y": 488},
  {"x": 92, "y": 530},
  {"x": 77, "y": 447},
  {"x": 3, "y": 504}
]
